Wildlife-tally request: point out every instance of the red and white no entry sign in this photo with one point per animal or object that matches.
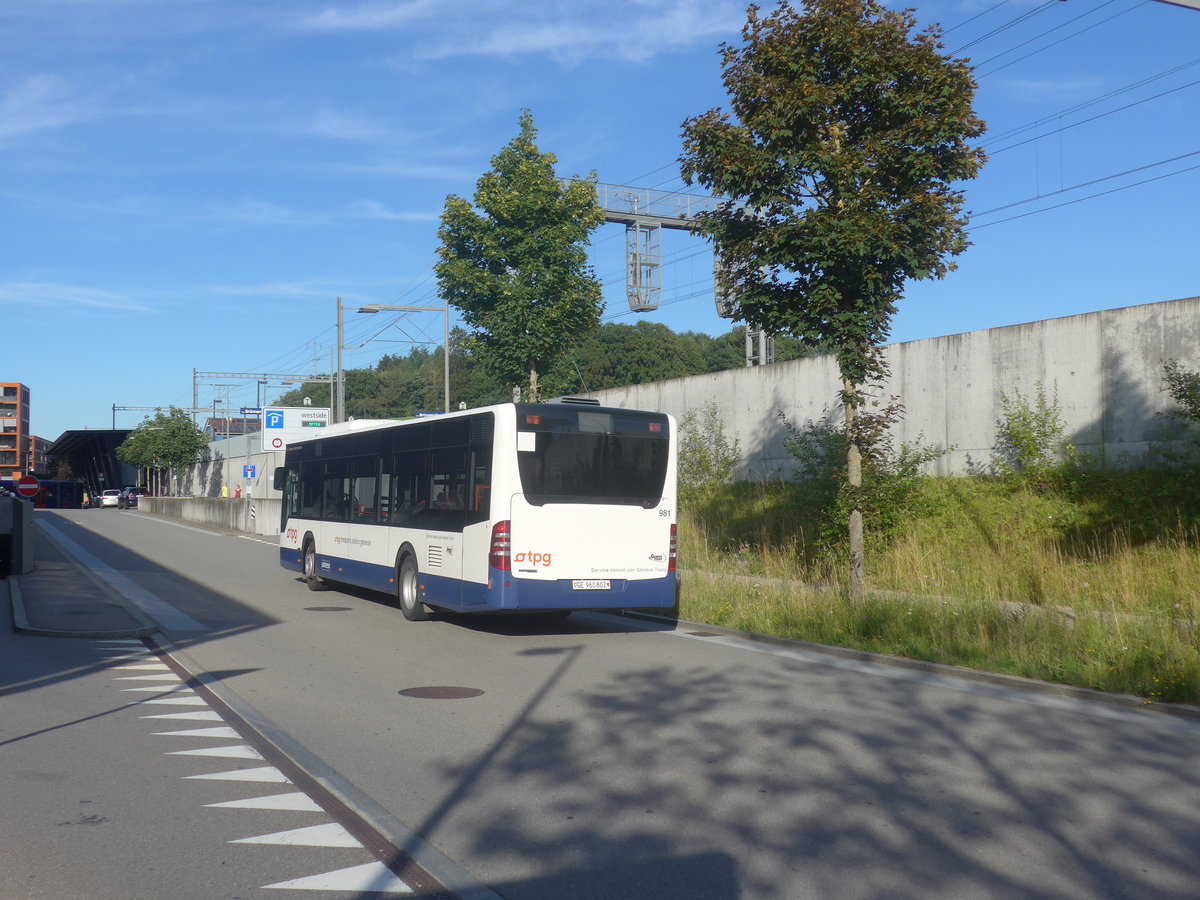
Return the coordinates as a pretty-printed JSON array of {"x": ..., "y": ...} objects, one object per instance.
[{"x": 28, "y": 486}]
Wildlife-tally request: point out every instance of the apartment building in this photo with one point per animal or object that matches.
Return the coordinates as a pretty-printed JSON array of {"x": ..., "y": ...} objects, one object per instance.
[{"x": 15, "y": 442}]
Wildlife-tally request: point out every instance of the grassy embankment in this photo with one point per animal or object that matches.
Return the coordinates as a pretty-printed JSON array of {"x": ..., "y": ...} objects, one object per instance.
[{"x": 1093, "y": 581}]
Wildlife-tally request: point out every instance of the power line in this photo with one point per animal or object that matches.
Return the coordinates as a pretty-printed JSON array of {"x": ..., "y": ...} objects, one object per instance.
[
  {"x": 1012, "y": 23},
  {"x": 974, "y": 17},
  {"x": 1038, "y": 137},
  {"x": 1038, "y": 37},
  {"x": 1079, "y": 107},
  {"x": 1059, "y": 41},
  {"x": 1084, "y": 184}
]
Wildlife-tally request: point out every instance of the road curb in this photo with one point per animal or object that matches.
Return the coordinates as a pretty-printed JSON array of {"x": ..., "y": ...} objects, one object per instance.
[
  {"x": 22, "y": 625},
  {"x": 1016, "y": 682}
]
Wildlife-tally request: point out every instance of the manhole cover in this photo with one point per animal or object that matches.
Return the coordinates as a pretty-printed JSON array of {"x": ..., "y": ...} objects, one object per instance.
[
  {"x": 441, "y": 692},
  {"x": 327, "y": 608}
]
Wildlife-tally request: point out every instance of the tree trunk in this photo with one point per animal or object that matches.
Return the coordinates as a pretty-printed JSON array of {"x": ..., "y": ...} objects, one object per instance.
[
  {"x": 858, "y": 568},
  {"x": 533, "y": 383}
]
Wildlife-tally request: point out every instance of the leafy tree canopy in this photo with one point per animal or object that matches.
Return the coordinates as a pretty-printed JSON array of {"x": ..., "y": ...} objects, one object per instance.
[
  {"x": 167, "y": 440},
  {"x": 847, "y": 135},
  {"x": 515, "y": 263}
]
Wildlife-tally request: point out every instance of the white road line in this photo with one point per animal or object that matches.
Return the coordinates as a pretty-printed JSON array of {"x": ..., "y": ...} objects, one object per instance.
[
  {"x": 263, "y": 774},
  {"x": 219, "y": 732},
  {"x": 295, "y": 802},
  {"x": 179, "y": 688},
  {"x": 206, "y": 715},
  {"x": 144, "y": 667},
  {"x": 176, "y": 701},
  {"x": 371, "y": 878},
  {"x": 239, "y": 751},
  {"x": 330, "y": 835}
]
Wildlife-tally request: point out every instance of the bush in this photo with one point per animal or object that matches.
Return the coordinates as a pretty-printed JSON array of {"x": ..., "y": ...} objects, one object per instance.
[
  {"x": 1030, "y": 436},
  {"x": 891, "y": 477},
  {"x": 707, "y": 456}
]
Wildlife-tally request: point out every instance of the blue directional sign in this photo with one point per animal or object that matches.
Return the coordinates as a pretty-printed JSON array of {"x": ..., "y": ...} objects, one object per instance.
[{"x": 247, "y": 471}]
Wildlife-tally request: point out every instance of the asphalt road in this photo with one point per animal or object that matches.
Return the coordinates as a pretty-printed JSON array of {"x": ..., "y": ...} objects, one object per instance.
[{"x": 597, "y": 757}]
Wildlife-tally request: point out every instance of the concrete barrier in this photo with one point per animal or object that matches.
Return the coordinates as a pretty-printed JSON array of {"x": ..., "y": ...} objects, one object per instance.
[{"x": 230, "y": 514}]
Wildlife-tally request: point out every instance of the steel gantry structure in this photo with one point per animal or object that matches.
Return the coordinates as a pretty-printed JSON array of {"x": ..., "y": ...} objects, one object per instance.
[{"x": 645, "y": 213}]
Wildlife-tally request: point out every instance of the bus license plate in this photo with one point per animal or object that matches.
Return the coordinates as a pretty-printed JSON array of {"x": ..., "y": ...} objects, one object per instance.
[{"x": 592, "y": 585}]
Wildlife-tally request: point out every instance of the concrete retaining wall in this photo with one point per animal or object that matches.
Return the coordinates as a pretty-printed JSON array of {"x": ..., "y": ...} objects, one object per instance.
[
  {"x": 257, "y": 516},
  {"x": 1106, "y": 368}
]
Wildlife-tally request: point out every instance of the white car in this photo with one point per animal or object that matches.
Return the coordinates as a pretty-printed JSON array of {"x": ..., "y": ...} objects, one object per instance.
[{"x": 110, "y": 498}]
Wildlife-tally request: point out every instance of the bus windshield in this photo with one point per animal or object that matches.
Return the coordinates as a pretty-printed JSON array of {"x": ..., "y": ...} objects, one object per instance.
[{"x": 582, "y": 455}]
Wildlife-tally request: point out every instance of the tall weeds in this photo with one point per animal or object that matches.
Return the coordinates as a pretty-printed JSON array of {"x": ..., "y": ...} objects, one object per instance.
[{"x": 1083, "y": 578}]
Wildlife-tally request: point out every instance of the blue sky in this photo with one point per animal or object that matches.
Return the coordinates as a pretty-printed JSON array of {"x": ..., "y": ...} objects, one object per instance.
[{"x": 189, "y": 184}]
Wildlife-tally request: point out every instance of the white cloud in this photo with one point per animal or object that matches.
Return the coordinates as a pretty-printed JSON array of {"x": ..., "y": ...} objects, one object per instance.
[
  {"x": 373, "y": 209},
  {"x": 331, "y": 123},
  {"x": 44, "y": 293},
  {"x": 370, "y": 16},
  {"x": 567, "y": 31},
  {"x": 36, "y": 103}
]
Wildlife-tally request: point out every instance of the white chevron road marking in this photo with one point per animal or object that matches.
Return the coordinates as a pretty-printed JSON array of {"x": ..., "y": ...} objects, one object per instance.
[
  {"x": 329, "y": 835},
  {"x": 265, "y": 774},
  {"x": 373, "y": 877},
  {"x": 296, "y": 802}
]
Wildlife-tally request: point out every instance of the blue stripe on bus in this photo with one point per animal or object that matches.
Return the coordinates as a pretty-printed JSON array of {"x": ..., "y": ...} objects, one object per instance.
[{"x": 505, "y": 592}]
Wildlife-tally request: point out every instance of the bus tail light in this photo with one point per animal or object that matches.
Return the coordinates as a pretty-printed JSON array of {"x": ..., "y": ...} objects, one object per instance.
[
  {"x": 674, "y": 547},
  {"x": 500, "y": 552}
]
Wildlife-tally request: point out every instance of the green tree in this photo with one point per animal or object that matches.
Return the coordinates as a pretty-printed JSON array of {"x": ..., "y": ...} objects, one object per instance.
[
  {"x": 517, "y": 268},
  {"x": 848, "y": 134},
  {"x": 169, "y": 440}
]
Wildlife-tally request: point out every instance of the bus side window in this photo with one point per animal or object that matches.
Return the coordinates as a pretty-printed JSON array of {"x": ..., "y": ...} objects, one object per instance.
[
  {"x": 408, "y": 498},
  {"x": 448, "y": 484},
  {"x": 311, "y": 486}
]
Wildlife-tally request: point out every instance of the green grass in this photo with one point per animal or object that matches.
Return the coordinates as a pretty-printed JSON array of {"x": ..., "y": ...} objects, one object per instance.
[{"x": 1091, "y": 581}]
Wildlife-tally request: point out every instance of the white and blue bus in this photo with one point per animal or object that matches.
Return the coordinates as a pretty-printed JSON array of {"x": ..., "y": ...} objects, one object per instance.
[{"x": 519, "y": 507}]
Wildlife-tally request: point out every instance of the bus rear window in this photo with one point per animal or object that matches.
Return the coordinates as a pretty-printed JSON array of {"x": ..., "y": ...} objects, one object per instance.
[{"x": 592, "y": 456}]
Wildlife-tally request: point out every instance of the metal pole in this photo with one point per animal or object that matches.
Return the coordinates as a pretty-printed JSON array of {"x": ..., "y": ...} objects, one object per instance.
[
  {"x": 339, "y": 411},
  {"x": 446, "y": 344}
]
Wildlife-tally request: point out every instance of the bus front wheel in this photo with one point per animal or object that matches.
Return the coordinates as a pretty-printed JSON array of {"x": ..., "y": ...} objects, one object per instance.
[
  {"x": 311, "y": 578},
  {"x": 406, "y": 592}
]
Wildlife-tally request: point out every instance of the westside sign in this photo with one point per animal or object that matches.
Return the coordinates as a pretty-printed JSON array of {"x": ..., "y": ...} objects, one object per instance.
[{"x": 284, "y": 424}]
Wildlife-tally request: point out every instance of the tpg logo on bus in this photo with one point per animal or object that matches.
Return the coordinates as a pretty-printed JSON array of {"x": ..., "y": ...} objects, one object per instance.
[{"x": 533, "y": 558}]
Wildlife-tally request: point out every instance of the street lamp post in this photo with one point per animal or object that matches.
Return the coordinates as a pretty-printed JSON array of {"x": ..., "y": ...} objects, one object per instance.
[
  {"x": 339, "y": 402},
  {"x": 372, "y": 308}
]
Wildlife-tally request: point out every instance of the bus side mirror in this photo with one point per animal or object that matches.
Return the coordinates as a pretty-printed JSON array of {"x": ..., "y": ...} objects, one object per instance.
[{"x": 280, "y": 478}]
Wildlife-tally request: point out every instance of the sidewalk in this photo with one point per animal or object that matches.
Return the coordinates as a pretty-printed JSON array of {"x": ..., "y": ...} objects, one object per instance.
[{"x": 60, "y": 598}]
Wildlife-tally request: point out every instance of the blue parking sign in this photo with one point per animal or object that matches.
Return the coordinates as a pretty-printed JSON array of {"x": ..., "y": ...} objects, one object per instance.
[{"x": 274, "y": 419}]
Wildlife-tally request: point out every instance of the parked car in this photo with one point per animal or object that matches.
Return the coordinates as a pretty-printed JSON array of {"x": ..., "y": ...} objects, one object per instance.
[
  {"x": 111, "y": 497},
  {"x": 128, "y": 498}
]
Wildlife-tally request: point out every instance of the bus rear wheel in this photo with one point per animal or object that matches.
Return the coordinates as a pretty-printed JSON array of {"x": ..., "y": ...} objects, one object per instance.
[
  {"x": 406, "y": 592},
  {"x": 311, "y": 578}
]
